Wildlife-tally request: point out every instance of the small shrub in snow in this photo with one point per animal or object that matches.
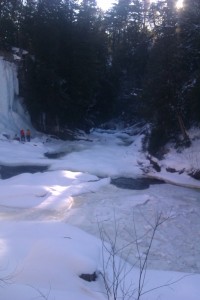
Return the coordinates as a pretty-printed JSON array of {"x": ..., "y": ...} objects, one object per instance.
[{"x": 116, "y": 272}]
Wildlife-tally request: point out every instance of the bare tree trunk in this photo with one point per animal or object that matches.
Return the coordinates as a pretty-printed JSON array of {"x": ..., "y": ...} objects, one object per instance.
[{"x": 182, "y": 127}]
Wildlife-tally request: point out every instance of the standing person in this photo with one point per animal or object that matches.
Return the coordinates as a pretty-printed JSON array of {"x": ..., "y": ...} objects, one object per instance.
[
  {"x": 28, "y": 135},
  {"x": 22, "y": 135}
]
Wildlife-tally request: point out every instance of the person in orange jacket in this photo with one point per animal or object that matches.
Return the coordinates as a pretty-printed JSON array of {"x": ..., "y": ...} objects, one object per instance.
[{"x": 28, "y": 135}]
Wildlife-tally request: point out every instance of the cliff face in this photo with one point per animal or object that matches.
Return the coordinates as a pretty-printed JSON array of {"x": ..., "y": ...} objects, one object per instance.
[{"x": 12, "y": 113}]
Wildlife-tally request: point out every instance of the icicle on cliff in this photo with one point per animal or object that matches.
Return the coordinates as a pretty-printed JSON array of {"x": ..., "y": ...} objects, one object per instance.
[{"x": 12, "y": 114}]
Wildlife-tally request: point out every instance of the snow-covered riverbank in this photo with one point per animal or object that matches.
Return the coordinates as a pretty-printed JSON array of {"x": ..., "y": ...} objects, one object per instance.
[{"x": 37, "y": 211}]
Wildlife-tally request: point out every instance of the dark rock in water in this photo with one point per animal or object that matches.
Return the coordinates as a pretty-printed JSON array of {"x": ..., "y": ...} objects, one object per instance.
[
  {"x": 10, "y": 171},
  {"x": 135, "y": 183},
  {"x": 54, "y": 155},
  {"x": 89, "y": 277},
  {"x": 68, "y": 150}
]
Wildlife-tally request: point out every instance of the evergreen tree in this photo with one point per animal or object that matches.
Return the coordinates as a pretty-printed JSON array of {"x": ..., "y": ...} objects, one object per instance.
[
  {"x": 128, "y": 51},
  {"x": 84, "y": 64},
  {"x": 189, "y": 35},
  {"x": 164, "y": 102},
  {"x": 10, "y": 21}
]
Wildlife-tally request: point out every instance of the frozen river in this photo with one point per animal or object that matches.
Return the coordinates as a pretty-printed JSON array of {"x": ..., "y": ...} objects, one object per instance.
[
  {"x": 77, "y": 189},
  {"x": 176, "y": 243}
]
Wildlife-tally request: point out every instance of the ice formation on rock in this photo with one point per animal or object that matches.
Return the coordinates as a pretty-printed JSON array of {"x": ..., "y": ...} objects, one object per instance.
[{"x": 12, "y": 113}]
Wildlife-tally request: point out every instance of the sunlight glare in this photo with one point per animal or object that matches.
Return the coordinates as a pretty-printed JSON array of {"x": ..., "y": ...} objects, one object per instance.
[
  {"x": 105, "y": 4},
  {"x": 179, "y": 4}
]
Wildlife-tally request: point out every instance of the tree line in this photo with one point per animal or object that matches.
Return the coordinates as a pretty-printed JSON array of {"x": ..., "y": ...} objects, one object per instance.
[{"x": 139, "y": 60}]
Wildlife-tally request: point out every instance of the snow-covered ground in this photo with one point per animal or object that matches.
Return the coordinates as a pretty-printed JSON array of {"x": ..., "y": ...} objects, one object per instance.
[
  {"x": 50, "y": 222},
  {"x": 53, "y": 224}
]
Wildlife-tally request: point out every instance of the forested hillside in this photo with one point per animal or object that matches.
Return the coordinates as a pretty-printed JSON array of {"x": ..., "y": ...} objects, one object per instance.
[{"x": 82, "y": 66}]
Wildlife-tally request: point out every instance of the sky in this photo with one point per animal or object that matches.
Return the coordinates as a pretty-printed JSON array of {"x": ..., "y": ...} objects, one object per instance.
[
  {"x": 53, "y": 223},
  {"x": 105, "y": 4},
  {"x": 180, "y": 3}
]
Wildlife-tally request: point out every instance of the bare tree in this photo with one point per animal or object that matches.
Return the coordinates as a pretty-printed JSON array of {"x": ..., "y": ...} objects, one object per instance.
[
  {"x": 116, "y": 283},
  {"x": 41, "y": 294}
]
